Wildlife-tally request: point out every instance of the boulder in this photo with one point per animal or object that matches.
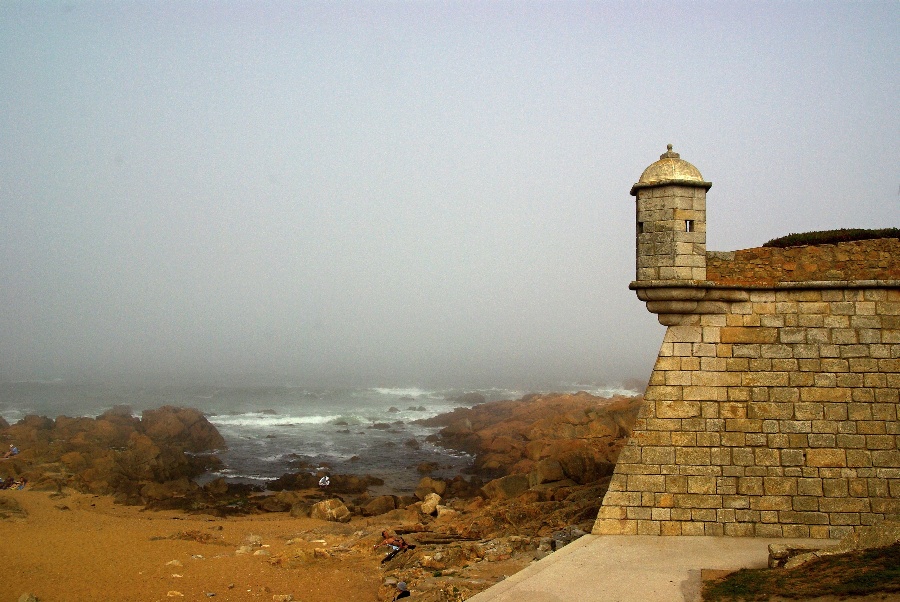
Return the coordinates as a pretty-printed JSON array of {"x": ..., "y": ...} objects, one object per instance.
[
  {"x": 546, "y": 471},
  {"x": 428, "y": 485},
  {"x": 380, "y": 505},
  {"x": 331, "y": 510},
  {"x": 430, "y": 503},
  {"x": 271, "y": 503},
  {"x": 446, "y": 513},
  {"x": 183, "y": 426},
  {"x": 506, "y": 487}
]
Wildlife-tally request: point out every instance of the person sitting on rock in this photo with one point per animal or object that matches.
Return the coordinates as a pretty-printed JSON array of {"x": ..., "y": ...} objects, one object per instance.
[
  {"x": 324, "y": 481},
  {"x": 395, "y": 542},
  {"x": 13, "y": 450},
  {"x": 404, "y": 592}
]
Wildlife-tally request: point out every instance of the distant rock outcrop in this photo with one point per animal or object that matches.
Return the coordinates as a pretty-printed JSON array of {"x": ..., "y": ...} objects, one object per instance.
[
  {"x": 551, "y": 437},
  {"x": 138, "y": 460}
]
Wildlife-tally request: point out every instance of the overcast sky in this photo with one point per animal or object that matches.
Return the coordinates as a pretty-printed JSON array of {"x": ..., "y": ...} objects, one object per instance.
[{"x": 393, "y": 193}]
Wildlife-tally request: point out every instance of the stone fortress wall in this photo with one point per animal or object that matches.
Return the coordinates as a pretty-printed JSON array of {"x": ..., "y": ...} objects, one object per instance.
[{"x": 772, "y": 409}]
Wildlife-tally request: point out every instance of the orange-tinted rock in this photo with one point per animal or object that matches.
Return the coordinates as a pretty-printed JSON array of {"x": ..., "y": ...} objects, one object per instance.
[
  {"x": 330, "y": 510},
  {"x": 115, "y": 453},
  {"x": 380, "y": 505},
  {"x": 428, "y": 485},
  {"x": 183, "y": 426},
  {"x": 506, "y": 487},
  {"x": 582, "y": 433}
]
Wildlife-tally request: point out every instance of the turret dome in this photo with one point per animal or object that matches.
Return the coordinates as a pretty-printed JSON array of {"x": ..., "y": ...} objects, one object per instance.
[{"x": 670, "y": 169}]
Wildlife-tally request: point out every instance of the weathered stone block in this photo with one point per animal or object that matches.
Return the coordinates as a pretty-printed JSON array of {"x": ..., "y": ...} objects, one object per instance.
[
  {"x": 793, "y": 457},
  {"x": 658, "y": 455},
  {"x": 622, "y": 498},
  {"x": 881, "y": 442},
  {"x": 824, "y": 457},
  {"x": 807, "y": 486},
  {"x": 780, "y": 486},
  {"x": 670, "y": 528},
  {"x": 638, "y": 513},
  {"x": 702, "y": 484},
  {"x": 834, "y": 488},
  {"x": 614, "y": 527},
  {"x": 766, "y": 379},
  {"x": 746, "y": 425},
  {"x": 870, "y": 427},
  {"x": 766, "y": 457},
  {"x": 690, "y": 500},
  {"x": 885, "y": 458},
  {"x": 795, "y": 426},
  {"x": 656, "y": 483},
  {"x": 692, "y": 456},
  {"x": 692, "y": 528},
  {"x": 770, "y": 410},
  {"x": 666, "y": 393},
  {"x": 771, "y": 502},
  {"x": 821, "y": 440},
  {"x": 805, "y": 518},
  {"x": 750, "y": 486},
  {"x": 826, "y": 426},
  {"x": 683, "y": 439},
  {"x": 676, "y": 484},
  {"x": 676, "y": 408},
  {"x": 743, "y": 335},
  {"x": 740, "y": 530},
  {"x": 844, "y": 504},
  {"x": 858, "y": 488}
]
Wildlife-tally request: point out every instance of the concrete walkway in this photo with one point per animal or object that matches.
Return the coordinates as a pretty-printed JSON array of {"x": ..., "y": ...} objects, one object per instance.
[{"x": 632, "y": 568}]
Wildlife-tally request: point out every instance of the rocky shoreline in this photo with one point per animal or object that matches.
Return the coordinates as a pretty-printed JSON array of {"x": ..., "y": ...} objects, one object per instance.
[{"x": 542, "y": 465}]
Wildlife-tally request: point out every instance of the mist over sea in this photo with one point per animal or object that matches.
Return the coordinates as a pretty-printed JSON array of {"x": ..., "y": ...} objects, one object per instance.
[{"x": 272, "y": 430}]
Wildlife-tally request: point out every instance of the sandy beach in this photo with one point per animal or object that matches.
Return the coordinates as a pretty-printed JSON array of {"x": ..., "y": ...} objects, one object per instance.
[
  {"x": 110, "y": 512},
  {"x": 78, "y": 547}
]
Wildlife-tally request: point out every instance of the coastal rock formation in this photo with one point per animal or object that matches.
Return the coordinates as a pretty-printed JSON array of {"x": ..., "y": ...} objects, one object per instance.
[
  {"x": 558, "y": 436},
  {"x": 116, "y": 453},
  {"x": 186, "y": 427}
]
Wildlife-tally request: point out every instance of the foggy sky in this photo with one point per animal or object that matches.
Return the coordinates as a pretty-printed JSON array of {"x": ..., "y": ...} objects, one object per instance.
[{"x": 387, "y": 193}]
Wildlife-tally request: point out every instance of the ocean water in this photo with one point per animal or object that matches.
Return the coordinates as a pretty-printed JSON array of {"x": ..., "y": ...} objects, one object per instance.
[{"x": 273, "y": 430}]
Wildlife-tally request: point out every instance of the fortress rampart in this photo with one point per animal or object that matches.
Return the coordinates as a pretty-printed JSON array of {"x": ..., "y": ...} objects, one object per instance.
[{"x": 772, "y": 409}]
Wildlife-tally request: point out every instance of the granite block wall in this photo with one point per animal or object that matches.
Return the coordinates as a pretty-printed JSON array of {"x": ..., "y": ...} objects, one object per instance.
[{"x": 775, "y": 414}]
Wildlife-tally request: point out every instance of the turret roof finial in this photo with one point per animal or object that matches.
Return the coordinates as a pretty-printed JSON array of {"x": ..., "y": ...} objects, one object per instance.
[{"x": 669, "y": 154}]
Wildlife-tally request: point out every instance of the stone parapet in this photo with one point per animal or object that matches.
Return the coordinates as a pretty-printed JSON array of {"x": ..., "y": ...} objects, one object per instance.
[{"x": 845, "y": 261}]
